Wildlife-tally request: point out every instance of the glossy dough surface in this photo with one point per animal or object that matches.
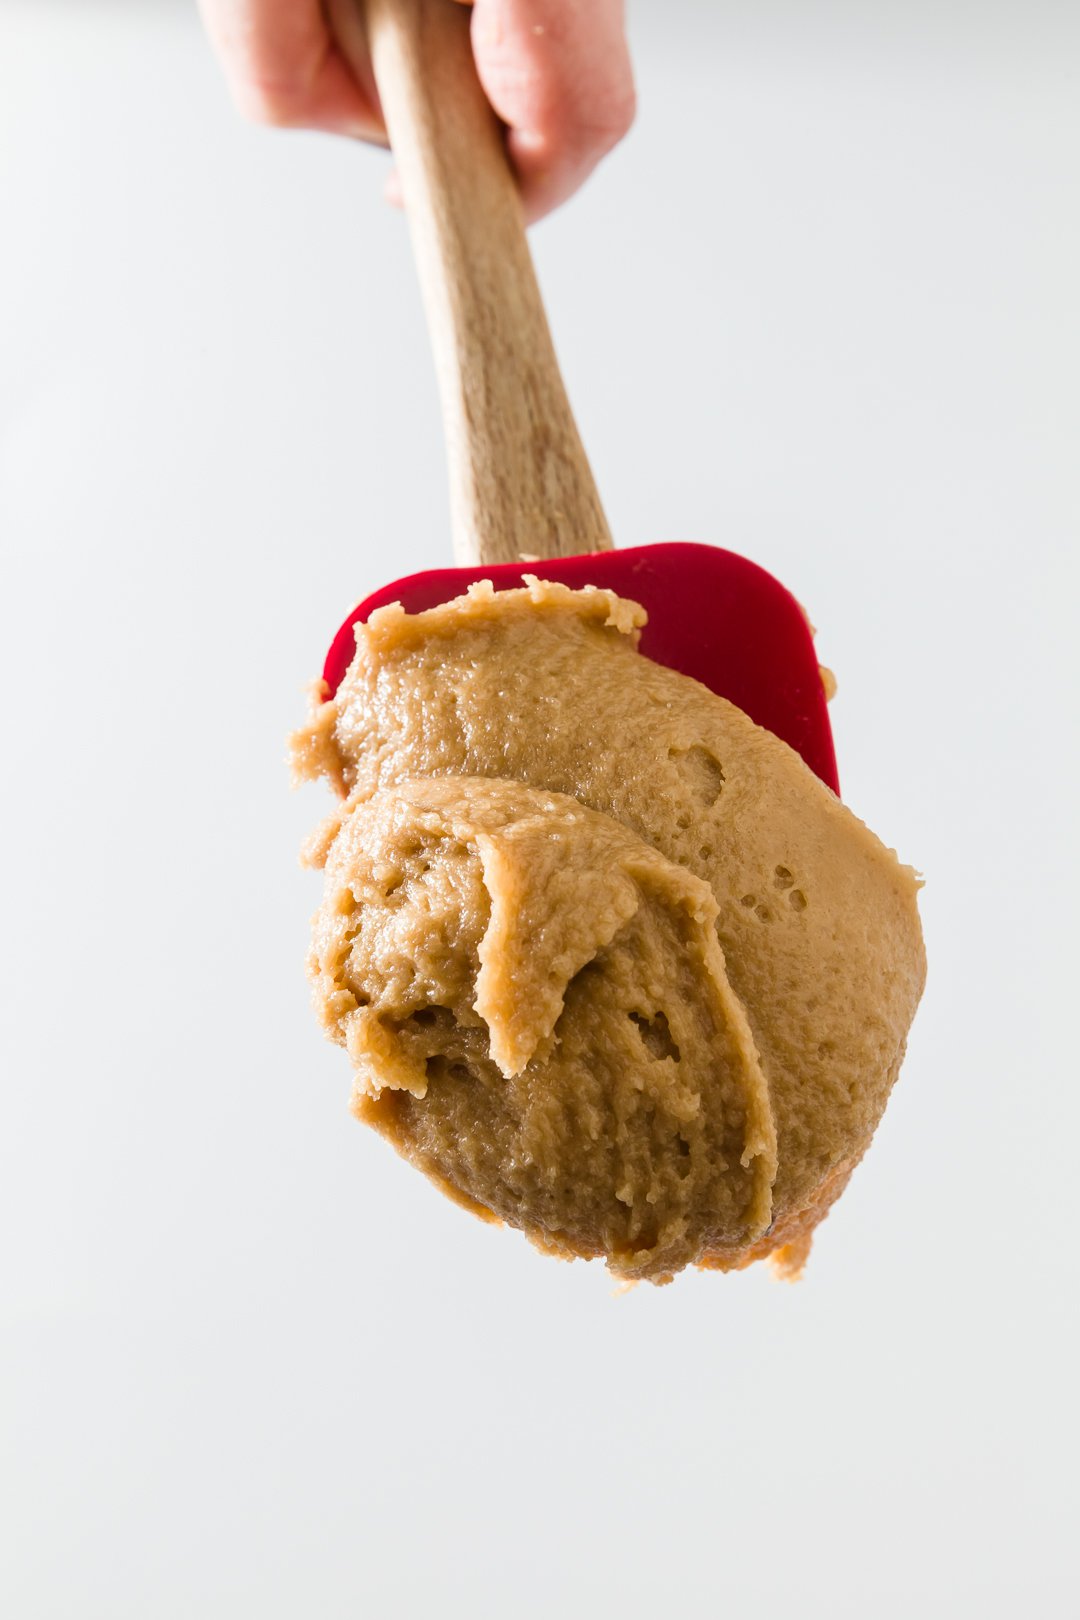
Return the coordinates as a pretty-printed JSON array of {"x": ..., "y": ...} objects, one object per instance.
[{"x": 611, "y": 963}]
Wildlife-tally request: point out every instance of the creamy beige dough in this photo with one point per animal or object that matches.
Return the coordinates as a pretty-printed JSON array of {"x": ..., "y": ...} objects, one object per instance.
[{"x": 611, "y": 963}]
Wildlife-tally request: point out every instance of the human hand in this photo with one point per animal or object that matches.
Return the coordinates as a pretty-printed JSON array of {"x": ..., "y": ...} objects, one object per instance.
[{"x": 557, "y": 73}]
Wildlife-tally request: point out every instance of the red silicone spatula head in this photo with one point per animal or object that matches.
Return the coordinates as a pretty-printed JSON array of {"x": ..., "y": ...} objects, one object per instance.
[{"x": 712, "y": 615}]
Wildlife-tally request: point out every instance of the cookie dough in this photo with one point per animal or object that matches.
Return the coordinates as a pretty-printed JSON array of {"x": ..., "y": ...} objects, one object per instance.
[{"x": 611, "y": 963}]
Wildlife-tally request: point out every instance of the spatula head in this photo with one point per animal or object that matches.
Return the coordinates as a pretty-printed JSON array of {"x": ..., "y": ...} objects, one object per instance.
[{"x": 712, "y": 615}]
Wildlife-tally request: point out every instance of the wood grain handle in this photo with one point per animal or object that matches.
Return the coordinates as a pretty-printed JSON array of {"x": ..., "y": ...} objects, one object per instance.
[{"x": 519, "y": 478}]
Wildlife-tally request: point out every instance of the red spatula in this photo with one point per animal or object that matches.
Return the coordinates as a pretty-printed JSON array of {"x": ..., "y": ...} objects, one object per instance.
[{"x": 522, "y": 494}]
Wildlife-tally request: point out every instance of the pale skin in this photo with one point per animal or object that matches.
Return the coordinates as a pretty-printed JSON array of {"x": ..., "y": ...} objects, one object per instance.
[{"x": 557, "y": 73}]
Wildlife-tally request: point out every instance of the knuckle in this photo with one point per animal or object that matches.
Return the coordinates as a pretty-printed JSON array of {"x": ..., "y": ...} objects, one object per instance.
[
  {"x": 270, "y": 104},
  {"x": 623, "y": 111},
  {"x": 605, "y": 123}
]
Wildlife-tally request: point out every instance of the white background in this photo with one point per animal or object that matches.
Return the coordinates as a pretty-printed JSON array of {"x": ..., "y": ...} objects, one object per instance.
[{"x": 822, "y": 308}]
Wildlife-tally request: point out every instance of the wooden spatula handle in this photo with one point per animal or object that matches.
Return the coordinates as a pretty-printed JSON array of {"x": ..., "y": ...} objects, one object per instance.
[{"x": 519, "y": 478}]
